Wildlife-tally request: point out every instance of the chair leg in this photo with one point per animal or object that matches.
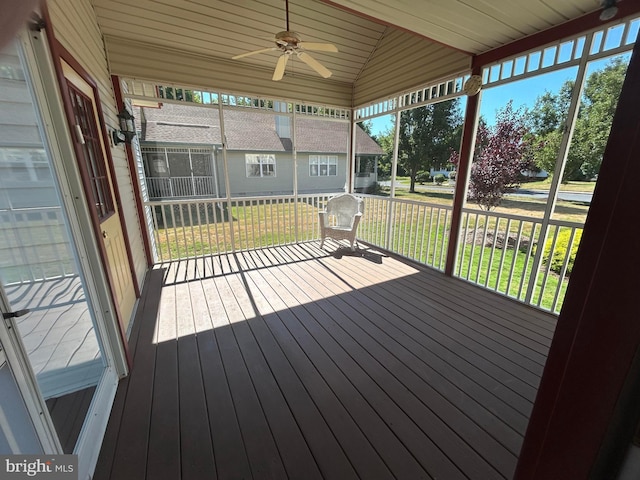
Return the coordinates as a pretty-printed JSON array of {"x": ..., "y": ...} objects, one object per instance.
[{"x": 321, "y": 242}]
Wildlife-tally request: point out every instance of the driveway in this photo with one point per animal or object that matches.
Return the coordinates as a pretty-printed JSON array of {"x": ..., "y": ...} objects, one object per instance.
[{"x": 580, "y": 197}]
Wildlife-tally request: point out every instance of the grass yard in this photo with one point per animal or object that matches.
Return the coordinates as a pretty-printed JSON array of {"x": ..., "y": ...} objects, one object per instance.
[
  {"x": 513, "y": 205},
  {"x": 507, "y": 271},
  {"x": 564, "y": 187},
  {"x": 196, "y": 231}
]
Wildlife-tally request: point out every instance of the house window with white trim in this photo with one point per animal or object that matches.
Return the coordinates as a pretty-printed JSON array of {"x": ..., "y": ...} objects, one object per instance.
[
  {"x": 323, "y": 165},
  {"x": 260, "y": 165}
]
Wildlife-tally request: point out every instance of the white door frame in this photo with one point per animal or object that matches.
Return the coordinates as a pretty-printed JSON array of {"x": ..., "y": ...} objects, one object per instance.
[
  {"x": 26, "y": 381},
  {"x": 42, "y": 81}
]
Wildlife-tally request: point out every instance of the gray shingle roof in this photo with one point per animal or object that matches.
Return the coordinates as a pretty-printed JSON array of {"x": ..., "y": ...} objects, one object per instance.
[{"x": 246, "y": 130}]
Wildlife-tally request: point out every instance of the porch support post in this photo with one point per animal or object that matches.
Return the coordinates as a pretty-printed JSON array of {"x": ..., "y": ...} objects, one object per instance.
[
  {"x": 396, "y": 147},
  {"x": 351, "y": 158},
  {"x": 294, "y": 157},
  {"x": 462, "y": 176},
  {"x": 394, "y": 171},
  {"x": 227, "y": 183},
  {"x": 586, "y": 410},
  {"x": 561, "y": 161}
]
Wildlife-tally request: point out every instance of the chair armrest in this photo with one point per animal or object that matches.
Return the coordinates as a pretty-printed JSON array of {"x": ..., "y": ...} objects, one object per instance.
[
  {"x": 322, "y": 217},
  {"x": 356, "y": 220}
]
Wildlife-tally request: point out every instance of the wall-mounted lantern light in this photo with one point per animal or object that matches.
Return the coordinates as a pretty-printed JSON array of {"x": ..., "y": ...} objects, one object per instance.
[{"x": 127, "y": 128}]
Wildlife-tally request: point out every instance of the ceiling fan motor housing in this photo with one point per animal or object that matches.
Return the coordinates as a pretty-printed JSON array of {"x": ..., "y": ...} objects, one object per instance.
[{"x": 287, "y": 38}]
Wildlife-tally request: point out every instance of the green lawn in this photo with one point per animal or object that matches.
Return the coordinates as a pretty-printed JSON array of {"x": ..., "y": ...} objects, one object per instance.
[
  {"x": 482, "y": 265},
  {"x": 564, "y": 187},
  {"x": 535, "y": 185}
]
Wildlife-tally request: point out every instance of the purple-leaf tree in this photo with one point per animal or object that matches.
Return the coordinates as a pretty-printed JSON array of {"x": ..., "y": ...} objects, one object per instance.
[{"x": 502, "y": 152}]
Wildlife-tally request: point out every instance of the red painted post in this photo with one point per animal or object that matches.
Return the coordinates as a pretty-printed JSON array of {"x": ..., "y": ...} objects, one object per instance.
[{"x": 462, "y": 178}]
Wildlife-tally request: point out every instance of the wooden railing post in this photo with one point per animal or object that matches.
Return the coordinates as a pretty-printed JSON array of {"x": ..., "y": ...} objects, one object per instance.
[{"x": 558, "y": 171}]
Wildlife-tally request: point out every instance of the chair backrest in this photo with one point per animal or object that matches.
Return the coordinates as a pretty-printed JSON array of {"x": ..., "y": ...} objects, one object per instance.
[{"x": 344, "y": 208}]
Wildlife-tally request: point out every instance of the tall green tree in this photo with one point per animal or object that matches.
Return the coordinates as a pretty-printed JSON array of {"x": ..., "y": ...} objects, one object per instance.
[
  {"x": 598, "y": 104},
  {"x": 427, "y": 136}
]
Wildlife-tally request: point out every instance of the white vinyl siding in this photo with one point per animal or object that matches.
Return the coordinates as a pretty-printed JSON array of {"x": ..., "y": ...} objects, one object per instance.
[{"x": 75, "y": 26}]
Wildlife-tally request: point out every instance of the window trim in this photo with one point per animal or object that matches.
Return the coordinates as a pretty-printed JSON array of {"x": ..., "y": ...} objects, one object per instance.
[
  {"x": 316, "y": 161},
  {"x": 262, "y": 160}
]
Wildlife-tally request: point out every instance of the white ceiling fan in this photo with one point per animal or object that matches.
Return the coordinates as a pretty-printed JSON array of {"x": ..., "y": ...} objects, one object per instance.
[{"x": 289, "y": 43}]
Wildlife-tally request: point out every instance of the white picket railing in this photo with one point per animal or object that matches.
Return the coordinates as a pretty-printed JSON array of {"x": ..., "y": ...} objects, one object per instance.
[
  {"x": 168, "y": 187},
  {"x": 194, "y": 228},
  {"x": 496, "y": 251}
]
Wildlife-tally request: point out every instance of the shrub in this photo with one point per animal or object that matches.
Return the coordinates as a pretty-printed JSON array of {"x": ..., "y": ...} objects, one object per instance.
[
  {"x": 560, "y": 252},
  {"x": 439, "y": 179},
  {"x": 423, "y": 177},
  {"x": 452, "y": 175}
]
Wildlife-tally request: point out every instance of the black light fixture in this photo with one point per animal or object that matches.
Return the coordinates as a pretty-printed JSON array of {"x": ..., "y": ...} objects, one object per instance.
[
  {"x": 127, "y": 128},
  {"x": 609, "y": 10}
]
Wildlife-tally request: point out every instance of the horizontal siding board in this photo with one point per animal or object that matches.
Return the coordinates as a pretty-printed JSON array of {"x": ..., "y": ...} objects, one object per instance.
[
  {"x": 224, "y": 31},
  {"x": 14, "y": 92},
  {"x": 474, "y": 26},
  {"x": 400, "y": 63},
  {"x": 145, "y": 62},
  {"x": 75, "y": 26},
  {"x": 25, "y": 135}
]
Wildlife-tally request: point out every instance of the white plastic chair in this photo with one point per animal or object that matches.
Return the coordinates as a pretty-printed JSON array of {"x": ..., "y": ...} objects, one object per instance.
[{"x": 340, "y": 218}]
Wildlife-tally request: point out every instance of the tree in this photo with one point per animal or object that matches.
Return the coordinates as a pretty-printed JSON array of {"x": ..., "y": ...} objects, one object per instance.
[
  {"x": 502, "y": 153},
  {"x": 367, "y": 126},
  {"x": 598, "y": 104},
  {"x": 385, "y": 140},
  {"x": 427, "y": 135},
  {"x": 180, "y": 94}
]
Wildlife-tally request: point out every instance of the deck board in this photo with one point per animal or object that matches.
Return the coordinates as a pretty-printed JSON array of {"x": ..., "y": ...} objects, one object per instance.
[
  {"x": 424, "y": 381},
  {"x": 296, "y": 362}
]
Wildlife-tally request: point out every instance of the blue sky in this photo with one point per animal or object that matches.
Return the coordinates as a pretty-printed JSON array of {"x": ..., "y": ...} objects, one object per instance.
[{"x": 522, "y": 92}]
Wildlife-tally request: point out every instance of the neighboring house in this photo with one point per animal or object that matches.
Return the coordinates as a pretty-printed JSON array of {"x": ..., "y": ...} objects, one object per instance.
[{"x": 182, "y": 152}]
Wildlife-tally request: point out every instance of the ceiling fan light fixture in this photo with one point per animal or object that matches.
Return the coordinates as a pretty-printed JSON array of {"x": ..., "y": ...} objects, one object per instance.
[
  {"x": 288, "y": 43},
  {"x": 609, "y": 10}
]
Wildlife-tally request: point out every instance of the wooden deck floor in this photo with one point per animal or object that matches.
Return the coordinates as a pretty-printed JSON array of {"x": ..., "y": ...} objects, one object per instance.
[{"x": 293, "y": 362}]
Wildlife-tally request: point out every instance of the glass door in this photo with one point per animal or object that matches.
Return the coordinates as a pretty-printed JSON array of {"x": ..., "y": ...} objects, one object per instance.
[{"x": 41, "y": 273}]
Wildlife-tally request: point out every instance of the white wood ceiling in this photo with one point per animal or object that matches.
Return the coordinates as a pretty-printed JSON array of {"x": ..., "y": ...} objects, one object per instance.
[
  {"x": 216, "y": 30},
  {"x": 473, "y": 26}
]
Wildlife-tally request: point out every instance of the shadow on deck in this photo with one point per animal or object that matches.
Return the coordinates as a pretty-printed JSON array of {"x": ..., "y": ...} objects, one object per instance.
[{"x": 293, "y": 362}]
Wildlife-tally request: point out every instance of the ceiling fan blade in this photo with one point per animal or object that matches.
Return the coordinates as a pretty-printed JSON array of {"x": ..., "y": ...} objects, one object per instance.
[
  {"x": 255, "y": 52},
  {"x": 280, "y": 66},
  {"x": 320, "y": 47},
  {"x": 313, "y": 63}
]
